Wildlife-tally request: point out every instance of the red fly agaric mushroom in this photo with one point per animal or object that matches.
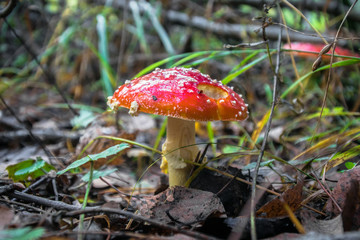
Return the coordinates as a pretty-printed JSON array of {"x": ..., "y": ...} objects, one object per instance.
[
  {"x": 312, "y": 50},
  {"x": 185, "y": 96}
]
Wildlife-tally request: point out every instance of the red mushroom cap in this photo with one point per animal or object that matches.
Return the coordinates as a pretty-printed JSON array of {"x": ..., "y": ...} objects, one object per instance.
[
  {"x": 316, "y": 48},
  {"x": 180, "y": 93}
]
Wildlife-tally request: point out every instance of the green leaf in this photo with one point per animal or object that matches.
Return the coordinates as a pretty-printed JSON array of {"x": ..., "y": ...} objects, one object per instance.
[
  {"x": 29, "y": 168},
  {"x": 83, "y": 119},
  {"x": 350, "y": 165},
  {"x": 98, "y": 174},
  {"x": 93, "y": 157},
  {"x": 26, "y": 233},
  {"x": 75, "y": 106},
  {"x": 253, "y": 164}
]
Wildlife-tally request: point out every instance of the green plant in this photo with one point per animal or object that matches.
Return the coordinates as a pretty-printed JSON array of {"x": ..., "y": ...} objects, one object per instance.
[{"x": 28, "y": 169}]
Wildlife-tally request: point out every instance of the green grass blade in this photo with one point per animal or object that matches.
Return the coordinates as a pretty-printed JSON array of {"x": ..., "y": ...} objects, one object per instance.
[
  {"x": 103, "y": 50},
  {"x": 75, "y": 106},
  {"x": 246, "y": 59},
  {"x": 159, "y": 28},
  {"x": 160, "y": 63},
  {"x": 341, "y": 157},
  {"x": 161, "y": 133},
  {"x": 104, "y": 64},
  {"x": 211, "y": 137},
  {"x": 139, "y": 26},
  {"x": 185, "y": 57},
  {"x": 230, "y": 77},
  {"x": 190, "y": 57},
  {"x": 334, "y": 65}
]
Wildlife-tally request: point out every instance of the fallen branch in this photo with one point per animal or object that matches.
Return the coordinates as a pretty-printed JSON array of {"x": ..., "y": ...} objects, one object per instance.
[
  {"x": 230, "y": 30},
  {"x": 43, "y": 201},
  {"x": 76, "y": 210},
  {"x": 46, "y": 135}
]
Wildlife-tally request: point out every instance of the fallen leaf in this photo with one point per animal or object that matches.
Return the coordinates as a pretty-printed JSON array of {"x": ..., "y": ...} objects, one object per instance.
[
  {"x": 6, "y": 216},
  {"x": 181, "y": 205},
  {"x": 311, "y": 224},
  {"x": 346, "y": 194},
  {"x": 275, "y": 208}
]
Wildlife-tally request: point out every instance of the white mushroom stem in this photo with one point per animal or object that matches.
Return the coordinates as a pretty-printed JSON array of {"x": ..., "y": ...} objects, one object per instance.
[{"x": 179, "y": 146}]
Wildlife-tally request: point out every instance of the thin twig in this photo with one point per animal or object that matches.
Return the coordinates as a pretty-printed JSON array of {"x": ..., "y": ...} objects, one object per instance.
[
  {"x": 116, "y": 189},
  {"x": 327, "y": 192},
  {"x": 35, "y": 184},
  {"x": 43, "y": 201},
  {"x": 246, "y": 45},
  {"x": 22, "y": 205},
  {"x": 267, "y": 130},
  {"x": 228, "y": 183}
]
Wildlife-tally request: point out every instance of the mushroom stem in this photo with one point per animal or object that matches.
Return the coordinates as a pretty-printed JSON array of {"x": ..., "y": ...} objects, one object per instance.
[{"x": 179, "y": 146}]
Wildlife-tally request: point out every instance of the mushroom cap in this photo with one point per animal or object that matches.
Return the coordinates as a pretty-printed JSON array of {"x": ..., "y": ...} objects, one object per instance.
[
  {"x": 312, "y": 50},
  {"x": 180, "y": 93}
]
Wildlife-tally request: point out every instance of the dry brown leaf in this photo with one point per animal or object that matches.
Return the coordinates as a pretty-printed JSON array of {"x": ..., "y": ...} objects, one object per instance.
[
  {"x": 6, "y": 216},
  {"x": 275, "y": 208}
]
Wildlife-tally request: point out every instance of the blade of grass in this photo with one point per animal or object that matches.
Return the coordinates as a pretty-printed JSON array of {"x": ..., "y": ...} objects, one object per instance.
[
  {"x": 334, "y": 65},
  {"x": 161, "y": 133},
  {"x": 75, "y": 106},
  {"x": 139, "y": 26},
  {"x": 230, "y": 77},
  {"x": 245, "y": 60},
  {"x": 212, "y": 55},
  {"x": 105, "y": 66},
  {"x": 189, "y": 56},
  {"x": 211, "y": 137},
  {"x": 103, "y": 50},
  {"x": 329, "y": 141},
  {"x": 82, "y": 216},
  {"x": 159, "y": 28},
  {"x": 341, "y": 157},
  {"x": 159, "y": 63},
  {"x": 259, "y": 127}
]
